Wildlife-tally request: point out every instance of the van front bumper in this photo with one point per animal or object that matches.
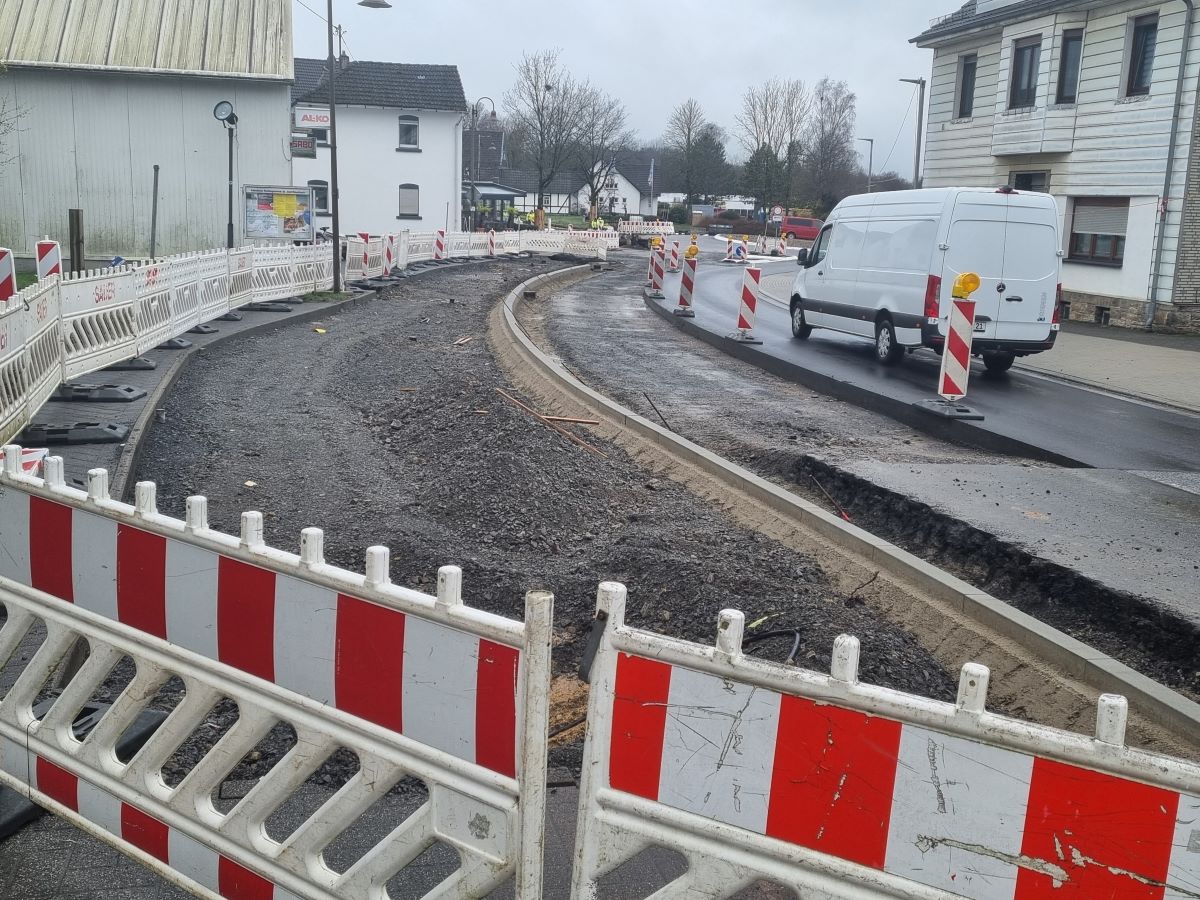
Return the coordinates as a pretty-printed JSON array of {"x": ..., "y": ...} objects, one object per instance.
[{"x": 934, "y": 341}]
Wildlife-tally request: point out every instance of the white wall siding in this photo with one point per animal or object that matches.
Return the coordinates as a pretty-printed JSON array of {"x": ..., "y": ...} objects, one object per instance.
[
  {"x": 1105, "y": 145},
  {"x": 91, "y": 142},
  {"x": 371, "y": 170}
]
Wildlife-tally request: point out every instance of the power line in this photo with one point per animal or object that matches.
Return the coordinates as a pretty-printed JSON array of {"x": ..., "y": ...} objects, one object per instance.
[
  {"x": 903, "y": 122},
  {"x": 311, "y": 10}
]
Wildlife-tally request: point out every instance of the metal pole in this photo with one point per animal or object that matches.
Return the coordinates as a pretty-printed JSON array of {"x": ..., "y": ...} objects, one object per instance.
[
  {"x": 154, "y": 214},
  {"x": 920, "y": 83},
  {"x": 229, "y": 227},
  {"x": 75, "y": 238},
  {"x": 870, "y": 142},
  {"x": 475, "y": 164},
  {"x": 333, "y": 178}
]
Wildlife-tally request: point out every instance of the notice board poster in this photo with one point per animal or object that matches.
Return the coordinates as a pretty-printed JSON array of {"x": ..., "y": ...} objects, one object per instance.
[{"x": 278, "y": 213}]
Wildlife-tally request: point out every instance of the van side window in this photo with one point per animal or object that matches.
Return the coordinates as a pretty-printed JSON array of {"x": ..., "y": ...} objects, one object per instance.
[{"x": 820, "y": 248}]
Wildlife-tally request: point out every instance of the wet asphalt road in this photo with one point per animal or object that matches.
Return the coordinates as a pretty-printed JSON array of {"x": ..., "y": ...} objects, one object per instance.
[{"x": 1069, "y": 424}]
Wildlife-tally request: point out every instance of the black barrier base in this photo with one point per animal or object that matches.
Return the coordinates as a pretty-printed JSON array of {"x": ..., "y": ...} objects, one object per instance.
[
  {"x": 76, "y": 433},
  {"x": 948, "y": 410},
  {"x": 98, "y": 393},
  {"x": 230, "y": 316},
  {"x": 137, "y": 364},
  {"x": 267, "y": 307},
  {"x": 174, "y": 344},
  {"x": 202, "y": 329},
  {"x": 17, "y": 811}
]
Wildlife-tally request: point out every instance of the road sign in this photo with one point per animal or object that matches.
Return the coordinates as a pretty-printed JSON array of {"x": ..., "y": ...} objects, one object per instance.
[{"x": 776, "y": 213}]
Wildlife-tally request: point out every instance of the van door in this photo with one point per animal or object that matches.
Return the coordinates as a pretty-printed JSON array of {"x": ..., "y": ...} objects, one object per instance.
[
  {"x": 836, "y": 306},
  {"x": 1011, "y": 242}
]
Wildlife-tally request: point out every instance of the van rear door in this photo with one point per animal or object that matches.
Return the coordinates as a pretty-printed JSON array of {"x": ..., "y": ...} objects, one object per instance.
[{"x": 1011, "y": 241}]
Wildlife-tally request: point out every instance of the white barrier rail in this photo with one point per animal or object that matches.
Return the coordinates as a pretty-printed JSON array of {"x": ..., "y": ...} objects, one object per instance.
[
  {"x": 757, "y": 771},
  {"x": 640, "y": 229},
  {"x": 416, "y": 686}
]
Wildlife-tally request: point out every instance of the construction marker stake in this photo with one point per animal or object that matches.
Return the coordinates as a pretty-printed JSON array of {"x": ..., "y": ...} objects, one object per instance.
[
  {"x": 687, "y": 287},
  {"x": 751, "y": 281}
]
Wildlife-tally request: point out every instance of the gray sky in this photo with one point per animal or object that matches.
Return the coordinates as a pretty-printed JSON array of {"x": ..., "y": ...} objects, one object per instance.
[{"x": 653, "y": 56}]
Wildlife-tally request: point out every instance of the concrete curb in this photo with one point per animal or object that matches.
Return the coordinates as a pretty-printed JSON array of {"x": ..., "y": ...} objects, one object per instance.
[
  {"x": 121, "y": 489},
  {"x": 954, "y": 431},
  {"x": 1087, "y": 664}
]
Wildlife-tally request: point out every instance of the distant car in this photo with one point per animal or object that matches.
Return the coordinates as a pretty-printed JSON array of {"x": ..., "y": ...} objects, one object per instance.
[
  {"x": 719, "y": 227},
  {"x": 800, "y": 228}
]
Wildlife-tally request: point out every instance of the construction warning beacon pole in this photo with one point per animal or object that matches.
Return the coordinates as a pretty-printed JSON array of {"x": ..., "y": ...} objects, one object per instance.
[{"x": 956, "y": 356}]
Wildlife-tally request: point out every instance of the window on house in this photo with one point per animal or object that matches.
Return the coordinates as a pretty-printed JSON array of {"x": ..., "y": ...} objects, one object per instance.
[
  {"x": 320, "y": 191},
  {"x": 1033, "y": 182},
  {"x": 410, "y": 201},
  {"x": 410, "y": 132},
  {"x": 1026, "y": 58},
  {"x": 1068, "y": 67},
  {"x": 320, "y": 135},
  {"x": 1098, "y": 230},
  {"x": 967, "y": 66},
  {"x": 1143, "y": 40}
]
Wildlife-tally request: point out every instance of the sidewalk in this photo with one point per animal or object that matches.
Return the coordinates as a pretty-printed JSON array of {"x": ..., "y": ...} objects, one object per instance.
[{"x": 1161, "y": 368}]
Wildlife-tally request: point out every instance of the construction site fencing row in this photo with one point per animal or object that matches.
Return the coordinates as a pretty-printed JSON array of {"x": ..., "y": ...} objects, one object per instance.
[{"x": 750, "y": 770}]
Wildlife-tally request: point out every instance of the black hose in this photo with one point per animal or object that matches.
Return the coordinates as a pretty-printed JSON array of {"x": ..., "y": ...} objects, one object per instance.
[{"x": 768, "y": 635}]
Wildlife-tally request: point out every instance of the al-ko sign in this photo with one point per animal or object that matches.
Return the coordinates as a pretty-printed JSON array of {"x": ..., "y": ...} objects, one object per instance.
[{"x": 312, "y": 118}]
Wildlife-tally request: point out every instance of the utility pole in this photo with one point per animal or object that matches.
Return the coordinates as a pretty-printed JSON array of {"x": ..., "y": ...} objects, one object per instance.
[
  {"x": 870, "y": 160},
  {"x": 920, "y": 83}
]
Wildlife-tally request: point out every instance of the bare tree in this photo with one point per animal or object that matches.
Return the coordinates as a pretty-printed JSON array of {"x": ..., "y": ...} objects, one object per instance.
[
  {"x": 10, "y": 115},
  {"x": 830, "y": 161},
  {"x": 603, "y": 139},
  {"x": 544, "y": 110},
  {"x": 775, "y": 115},
  {"x": 684, "y": 130}
]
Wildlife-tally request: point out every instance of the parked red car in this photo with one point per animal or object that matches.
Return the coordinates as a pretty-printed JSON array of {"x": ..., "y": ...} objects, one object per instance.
[{"x": 800, "y": 228}]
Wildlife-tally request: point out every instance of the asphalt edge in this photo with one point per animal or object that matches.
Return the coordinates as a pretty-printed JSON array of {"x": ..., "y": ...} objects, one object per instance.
[
  {"x": 132, "y": 454},
  {"x": 955, "y": 431},
  {"x": 1157, "y": 702}
]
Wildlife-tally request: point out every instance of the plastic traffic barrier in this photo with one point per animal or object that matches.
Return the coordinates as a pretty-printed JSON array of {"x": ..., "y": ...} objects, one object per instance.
[{"x": 754, "y": 770}]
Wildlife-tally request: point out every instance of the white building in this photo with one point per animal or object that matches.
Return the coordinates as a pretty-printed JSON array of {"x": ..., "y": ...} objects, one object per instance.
[
  {"x": 399, "y": 145},
  {"x": 1092, "y": 101},
  {"x": 105, "y": 92},
  {"x": 626, "y": 191}
]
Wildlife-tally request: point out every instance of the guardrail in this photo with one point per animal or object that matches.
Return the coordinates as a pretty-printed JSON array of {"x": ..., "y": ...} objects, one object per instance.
[
  {"x": 754, "y": 770},
  {"x": 416, "y": 686}
]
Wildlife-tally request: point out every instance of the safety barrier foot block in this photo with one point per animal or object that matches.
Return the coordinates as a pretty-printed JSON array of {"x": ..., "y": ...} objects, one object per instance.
[
  {"x": 272, "y": 306},
  {"x": 230, "y": 316},
  {"x": 98, "y": 393},
  {"x": 75, "y": 433},
  {"x": 948, "y": 410},
  {"x": 202, "y": 329},
  {"x": 137, "y": 364},
  {"x": 174, "y": 344}
]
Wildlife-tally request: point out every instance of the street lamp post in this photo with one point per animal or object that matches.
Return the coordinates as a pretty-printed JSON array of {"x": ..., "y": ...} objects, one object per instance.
[
  {"x": 870, "y": 160},
  {"x": 475, "y": 162},
  {"x": 920, "y": 83},
  {"x": 223, "y": 113},
  {"x": 333, "y": 166}
]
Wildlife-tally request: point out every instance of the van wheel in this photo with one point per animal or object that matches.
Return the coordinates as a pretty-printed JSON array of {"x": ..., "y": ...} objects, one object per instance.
[
  {"x": 998, "y": 361},
  {"x": 800, "y": 328},
  {"x": 888, "y": 350}
]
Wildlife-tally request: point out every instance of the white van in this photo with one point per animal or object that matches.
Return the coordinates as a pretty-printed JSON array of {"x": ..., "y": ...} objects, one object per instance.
[{"x": 884, "y": 266}]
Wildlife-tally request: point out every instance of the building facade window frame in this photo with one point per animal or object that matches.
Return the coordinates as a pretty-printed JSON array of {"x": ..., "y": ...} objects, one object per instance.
[
  {"x": 1140, "y": 46},
  {"x": 1098, "y": 230},
  {"x": 408, "y": 137},
  {"x": 409, "y": 206},
  {"x": 1070, "y": 67},
  {"x": 968, "y": 71},
  {"x": 1025, "y": 72},
  {"x": 320, "y": 193},
  {"x": 1030, "y": 180}
]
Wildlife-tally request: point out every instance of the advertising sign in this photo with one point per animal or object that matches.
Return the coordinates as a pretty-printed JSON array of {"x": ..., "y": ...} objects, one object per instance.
[
  {"x": 304, "y": 147},
  {"x": 306, "y": 119},
  {"x": 278, "y": 213}
]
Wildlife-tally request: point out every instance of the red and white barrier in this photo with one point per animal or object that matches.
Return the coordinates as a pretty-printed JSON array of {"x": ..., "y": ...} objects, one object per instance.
[
  {"x": 8, "y": 275},
  {"x": 49, "y": 259},
  {"x": 674, "y": 256},
  {"x": 439, "y": 244},
  {"x": 687, "y": 287},
  {"x": 748, "y": 309},
  {"x": 491, "y": 242},
  {"x": 956, "y": 357},
  {"x": 389, "y": 253},
  {"x": 657, "y": 273},
  {"x": 754, "y": 770}
]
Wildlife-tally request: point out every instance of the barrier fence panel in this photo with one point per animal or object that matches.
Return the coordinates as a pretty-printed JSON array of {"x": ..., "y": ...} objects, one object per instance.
[
  {"x": 420, "y": 246},
  {"x": 478, "y": 244},
  {"x": 13, "y": 388},
  {"x": 274, "y": 276},
  {"x": 185, "y": 297},
  {"x": 356, "y": 259},
  {"x": 418, "y": 688},
  {"x": 757, "y": 771},
  {"x": 543, "y": 241},
  {"x": 43, "y": 353},
  {"x": 402, "y": 250},
  {"x": 304, "y": 268},
  {"x": 458, "y": 245},
  {"x": 374, "y": 263},
  {"x": 212, "y": 270},
  {"x": 152, "y": 287},
  {"x": 241, "y": 277},
  {"x": 98, "y": 319}
]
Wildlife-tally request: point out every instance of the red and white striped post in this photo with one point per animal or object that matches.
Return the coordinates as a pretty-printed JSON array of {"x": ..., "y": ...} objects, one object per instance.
[
  {"x": 8, "y": 274},
  {"x": 389, "y": 253},
  {"x": 657, "y": 273},
  {"x": 956, "y": 358},
  {"x": 751, "y": 281},
  {"x": 49, "y": 259},
  {"x": 687, "y": 287},
  {"x": 366, "y": 239},
  {"x": 674, "y": 256},
  {"x": 439, "y": 244},
  {"x": 491, "y": 242}
]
